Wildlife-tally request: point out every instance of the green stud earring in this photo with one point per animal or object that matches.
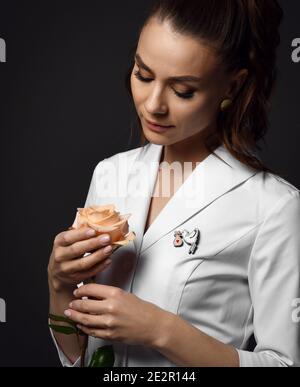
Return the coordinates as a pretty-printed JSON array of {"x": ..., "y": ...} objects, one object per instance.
[{"x": 225, "y": 105}]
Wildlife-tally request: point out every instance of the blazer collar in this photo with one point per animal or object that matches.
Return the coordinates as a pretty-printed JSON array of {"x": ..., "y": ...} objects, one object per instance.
[{"x": 219, "y": 173}]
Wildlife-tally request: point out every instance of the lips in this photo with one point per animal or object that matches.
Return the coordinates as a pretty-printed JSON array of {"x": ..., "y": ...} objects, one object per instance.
[
  {"x": 159, "y": 125},
  {"x": 158, "y": 128}
]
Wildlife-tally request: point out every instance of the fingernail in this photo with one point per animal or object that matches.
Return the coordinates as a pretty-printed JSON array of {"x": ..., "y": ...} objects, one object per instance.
[
  {"x": 107, "y": 262},
  {"x": 70, "y": 305},
  {"x": 105, "y": 239},
  {"x": 90, "y": 232},
  {"x": 67, "y": 313},
  {"x": 107, "y": 249},
  {"x": 75, "y": 292}
]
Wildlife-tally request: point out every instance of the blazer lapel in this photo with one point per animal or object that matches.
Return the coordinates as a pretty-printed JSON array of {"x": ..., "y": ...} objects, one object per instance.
[
  {"x": 215, "y": 176},
  {"x": 140, "y": 185},
  {"x": 212, "y": 178}
]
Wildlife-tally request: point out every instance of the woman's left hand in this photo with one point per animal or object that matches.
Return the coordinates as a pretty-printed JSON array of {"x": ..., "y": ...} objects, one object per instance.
[{"x": 113, "y": 314}]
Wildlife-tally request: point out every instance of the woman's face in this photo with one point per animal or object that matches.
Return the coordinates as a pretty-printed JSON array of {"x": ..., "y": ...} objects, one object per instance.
[{"x": 189, "y": 106}]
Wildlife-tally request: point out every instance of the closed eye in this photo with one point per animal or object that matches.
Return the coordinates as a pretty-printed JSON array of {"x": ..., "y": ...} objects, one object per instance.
[{"x": 148, "y": 80}]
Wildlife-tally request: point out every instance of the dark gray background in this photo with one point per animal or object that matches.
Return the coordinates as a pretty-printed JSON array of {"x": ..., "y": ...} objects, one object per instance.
[{"x": 64, "y": 108}]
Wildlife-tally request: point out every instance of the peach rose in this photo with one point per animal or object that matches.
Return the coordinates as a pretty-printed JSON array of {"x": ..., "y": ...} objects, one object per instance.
[{"x": 105, "y": 220}]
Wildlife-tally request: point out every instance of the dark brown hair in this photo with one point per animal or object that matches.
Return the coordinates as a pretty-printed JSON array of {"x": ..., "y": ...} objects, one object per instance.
[{"x": 246, "y": 36}]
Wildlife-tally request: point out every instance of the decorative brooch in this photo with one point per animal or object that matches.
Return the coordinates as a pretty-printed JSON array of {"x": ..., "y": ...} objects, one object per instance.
[{"x": 190, "y": 238}]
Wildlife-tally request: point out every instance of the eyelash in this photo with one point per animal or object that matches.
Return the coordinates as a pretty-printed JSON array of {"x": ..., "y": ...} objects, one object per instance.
[{"x": 148, "y": 80}]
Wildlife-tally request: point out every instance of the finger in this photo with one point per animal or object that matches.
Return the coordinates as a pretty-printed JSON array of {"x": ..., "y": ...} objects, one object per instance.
[
  {"x": 85, "y": 319},
  {"x": 69, "y": 237},
  {"x": 89, "y": 306},
  {"x": 78, "y": 249},
  {"x": 85, "y": 263},
  {"x": 96, "y": 291},
  {"x": 83, "y": 276}
]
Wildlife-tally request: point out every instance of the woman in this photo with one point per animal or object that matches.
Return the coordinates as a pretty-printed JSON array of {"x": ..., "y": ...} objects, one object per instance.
[{"x": 217, "y": 259}]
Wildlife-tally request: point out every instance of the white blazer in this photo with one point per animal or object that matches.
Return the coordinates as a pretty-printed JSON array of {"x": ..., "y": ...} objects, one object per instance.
[{"x": 243, "y": 279}]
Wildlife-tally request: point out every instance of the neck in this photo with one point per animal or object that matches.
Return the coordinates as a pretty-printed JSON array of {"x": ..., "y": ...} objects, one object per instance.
[{"x": 192, "y": 150}]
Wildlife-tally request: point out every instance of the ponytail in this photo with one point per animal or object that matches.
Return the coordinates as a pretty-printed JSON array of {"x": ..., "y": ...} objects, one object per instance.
[{"x": 248, "y": 121}]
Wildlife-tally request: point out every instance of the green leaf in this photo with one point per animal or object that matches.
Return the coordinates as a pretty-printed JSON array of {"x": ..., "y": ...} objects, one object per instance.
[
  {"x": 63, "y": 329},
  {"x": 62, "y": 319},
  {"x": 103, "y": 357}
]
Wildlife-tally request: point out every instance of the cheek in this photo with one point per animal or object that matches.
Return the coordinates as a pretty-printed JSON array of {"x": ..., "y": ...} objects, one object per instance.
[
  {"x": 198, "y": 113},
  {"x": 137, "y": 91}
]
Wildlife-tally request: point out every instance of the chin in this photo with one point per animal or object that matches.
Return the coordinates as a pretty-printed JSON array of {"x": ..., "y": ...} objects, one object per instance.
[{"x": 157, "y": 139}]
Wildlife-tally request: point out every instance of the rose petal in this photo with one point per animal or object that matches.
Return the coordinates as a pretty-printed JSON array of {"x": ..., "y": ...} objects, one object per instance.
[
  {"x": 105, "y": 220},
  {"x": 129, "y": 238}
]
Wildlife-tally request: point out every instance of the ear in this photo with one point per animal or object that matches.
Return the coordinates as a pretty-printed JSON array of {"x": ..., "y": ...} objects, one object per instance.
[{"x": 236, "y": 83}]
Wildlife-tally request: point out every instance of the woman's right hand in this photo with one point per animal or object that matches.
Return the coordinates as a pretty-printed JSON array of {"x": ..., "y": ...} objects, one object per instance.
[{"x": 67, "y": 265}]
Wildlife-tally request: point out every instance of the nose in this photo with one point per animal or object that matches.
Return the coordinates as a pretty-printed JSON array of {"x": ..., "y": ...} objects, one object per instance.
[{"x": 155, "y": 103}]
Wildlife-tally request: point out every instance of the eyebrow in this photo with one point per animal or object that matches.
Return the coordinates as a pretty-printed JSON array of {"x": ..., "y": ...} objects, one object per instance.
[{"x": 181, "y": 79}]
